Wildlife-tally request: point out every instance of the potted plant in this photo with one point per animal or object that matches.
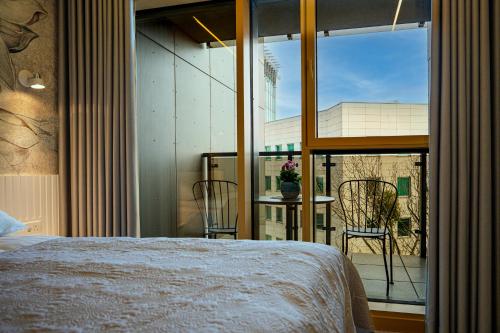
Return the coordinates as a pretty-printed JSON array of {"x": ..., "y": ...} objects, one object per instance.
[{"x": 289, "y": 179}]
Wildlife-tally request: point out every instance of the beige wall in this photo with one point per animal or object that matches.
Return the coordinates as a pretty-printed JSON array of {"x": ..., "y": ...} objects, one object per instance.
[{"x": 28, "y": 118}]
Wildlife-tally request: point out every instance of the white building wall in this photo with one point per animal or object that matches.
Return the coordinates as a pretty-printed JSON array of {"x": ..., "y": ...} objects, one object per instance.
[{"x": 352, "y": 120}]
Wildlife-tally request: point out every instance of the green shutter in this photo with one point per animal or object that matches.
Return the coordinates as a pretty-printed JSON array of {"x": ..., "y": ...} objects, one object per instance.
[
  {"x": 269, "y": 237},
  {"x": 403, "y": 186},
  {"x": 320, "y": 185},
  {"x": 290, "y": 147},
  {"x": 268, "y": 183},
  {"x": 268, "y": 149},
  {"x": 320, "y": 220},
  {"x": 278, "y": 183},
  {"x": 278, "y": 148}
]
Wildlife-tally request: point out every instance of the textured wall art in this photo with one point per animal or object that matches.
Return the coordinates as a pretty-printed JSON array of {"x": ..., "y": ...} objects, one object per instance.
[{"x": 28, "y": 118}]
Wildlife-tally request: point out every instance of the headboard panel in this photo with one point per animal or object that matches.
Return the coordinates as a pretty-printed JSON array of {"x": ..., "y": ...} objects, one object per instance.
[{"x": 33, "y": 200}]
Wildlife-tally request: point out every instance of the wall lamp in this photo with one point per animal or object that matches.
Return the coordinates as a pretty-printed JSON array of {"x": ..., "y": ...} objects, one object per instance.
[{"x": 31, "y": 80}]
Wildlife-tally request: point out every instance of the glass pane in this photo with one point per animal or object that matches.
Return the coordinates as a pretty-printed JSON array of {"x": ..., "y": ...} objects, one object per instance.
[
  {"x": 372, "y": 67},
  {"x": 366, "y": 190},
  {"x": 187, "y": 107},
  {"x": 277, "y": 104}
]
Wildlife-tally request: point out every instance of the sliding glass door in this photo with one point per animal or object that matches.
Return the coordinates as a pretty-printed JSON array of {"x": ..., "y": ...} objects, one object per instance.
[
  {"x": 340, "y": 88},
  {"x": 277, "y": 136}
]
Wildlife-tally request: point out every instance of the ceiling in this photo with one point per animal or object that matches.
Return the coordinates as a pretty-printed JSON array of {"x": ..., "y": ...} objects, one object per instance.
[
  {"x": 281, "y": 17},
  {"x": 149, "y": 4}
]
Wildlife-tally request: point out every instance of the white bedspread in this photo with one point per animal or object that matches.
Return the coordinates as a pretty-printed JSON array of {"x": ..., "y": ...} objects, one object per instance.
[
  {"x": 179, "y": 285},
  {"x": 8, "y": 243}
]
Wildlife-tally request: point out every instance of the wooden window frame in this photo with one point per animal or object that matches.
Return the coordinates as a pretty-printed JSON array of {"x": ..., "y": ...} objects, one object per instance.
[{"x": 310, "y": 139}]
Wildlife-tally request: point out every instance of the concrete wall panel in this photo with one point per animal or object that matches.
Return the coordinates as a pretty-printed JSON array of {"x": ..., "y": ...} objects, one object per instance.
[{"x": 156, "y": 137}]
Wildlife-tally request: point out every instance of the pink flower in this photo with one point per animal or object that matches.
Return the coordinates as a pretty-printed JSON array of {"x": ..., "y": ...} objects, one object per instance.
[{"x": 289, "y": 166}]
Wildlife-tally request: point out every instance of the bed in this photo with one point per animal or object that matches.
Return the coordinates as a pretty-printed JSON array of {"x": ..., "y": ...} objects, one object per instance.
[{"x": 179, "y": 285}]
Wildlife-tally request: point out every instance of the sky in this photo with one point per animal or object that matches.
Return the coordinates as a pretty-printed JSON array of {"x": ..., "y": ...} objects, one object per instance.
[{"x": 373, "y": 67}]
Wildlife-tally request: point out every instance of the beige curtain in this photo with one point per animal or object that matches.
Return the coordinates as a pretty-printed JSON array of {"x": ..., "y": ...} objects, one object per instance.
[
  {"x": 98, "y": 165},
  {"x": 464, "y": 244}
]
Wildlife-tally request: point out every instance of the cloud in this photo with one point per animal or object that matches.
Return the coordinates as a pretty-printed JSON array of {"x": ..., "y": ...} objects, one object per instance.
[{"x": 375, "y": 67}]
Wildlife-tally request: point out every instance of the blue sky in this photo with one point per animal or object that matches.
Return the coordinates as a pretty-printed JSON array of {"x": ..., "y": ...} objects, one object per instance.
[{"x": 374, "y": 67}]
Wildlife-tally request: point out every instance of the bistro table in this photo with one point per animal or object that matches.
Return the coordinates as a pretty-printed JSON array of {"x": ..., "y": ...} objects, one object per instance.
[{"x": 291, "y": 219}]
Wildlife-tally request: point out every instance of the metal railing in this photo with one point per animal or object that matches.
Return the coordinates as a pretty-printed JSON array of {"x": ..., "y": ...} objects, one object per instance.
[{"x": 328, "y": 164}]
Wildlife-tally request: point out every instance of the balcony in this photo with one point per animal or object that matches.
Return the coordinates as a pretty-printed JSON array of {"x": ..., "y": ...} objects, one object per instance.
[{"x": 406, "y": 170}]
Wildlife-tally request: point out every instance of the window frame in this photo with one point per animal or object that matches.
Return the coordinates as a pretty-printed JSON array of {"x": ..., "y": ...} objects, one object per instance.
[
  {"x": 311, "y": 142},
  {"x": 309, "y": 94},
  {"x": 404, "y": 219},
  {"x": 268, "y": 209}
]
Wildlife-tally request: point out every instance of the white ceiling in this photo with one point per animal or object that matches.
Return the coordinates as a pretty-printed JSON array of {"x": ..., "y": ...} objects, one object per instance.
[{"x": 148, "y": 4}]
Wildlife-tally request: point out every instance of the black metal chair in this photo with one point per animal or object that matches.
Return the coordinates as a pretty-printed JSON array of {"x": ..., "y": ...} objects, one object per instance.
[
  {"x": 217, "y": 203},
  {"x": 368, "y": 205}
]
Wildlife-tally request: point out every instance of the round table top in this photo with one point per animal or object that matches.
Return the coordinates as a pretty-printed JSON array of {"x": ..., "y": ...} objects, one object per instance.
[{"x": 279, "y": 200}]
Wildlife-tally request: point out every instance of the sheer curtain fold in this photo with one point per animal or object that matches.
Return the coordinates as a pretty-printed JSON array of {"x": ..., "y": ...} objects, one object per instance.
[
  {"x": 464, "y": 237},
  {"x": 97, "y": 118}
]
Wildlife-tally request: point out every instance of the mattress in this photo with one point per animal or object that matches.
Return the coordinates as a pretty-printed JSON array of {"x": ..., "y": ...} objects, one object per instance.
[{"x": 180, "y": 285}]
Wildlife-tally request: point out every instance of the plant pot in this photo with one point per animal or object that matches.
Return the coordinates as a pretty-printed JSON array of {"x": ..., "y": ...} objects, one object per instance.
[{"x": 290, "y": 190}]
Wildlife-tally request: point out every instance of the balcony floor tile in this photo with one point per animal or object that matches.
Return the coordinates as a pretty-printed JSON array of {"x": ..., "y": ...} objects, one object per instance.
[
  {"x": 374, "y": 259},
  {"x": 417, "y": 274},
  {"x": 409, "y": 277},
  {"x": 399, "y": 291},
  {"x": 377, "y": 272}
]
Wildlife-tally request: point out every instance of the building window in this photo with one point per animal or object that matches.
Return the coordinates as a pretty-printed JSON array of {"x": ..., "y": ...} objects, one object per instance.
[
  {"x": 268, "y": 183},
  {"x": 403, "y": 186},
  {"x": 278, "y": 183},
  {"x": 404, "y": 226},
  {"x": 278, "y": 148},
  {"x": 268, "y": 149},
  {"x": 268, "y": 213},
  {"x": 320, "y": 185},
  {"x": 320, "y": 220},
  {"x": 269, "y": 237},
  {"x": 279, "y": 215},
  {"x": 278, "y": 239},
  {"x": 290, "y": 147}
]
